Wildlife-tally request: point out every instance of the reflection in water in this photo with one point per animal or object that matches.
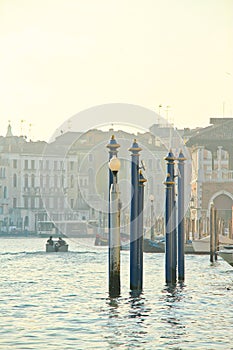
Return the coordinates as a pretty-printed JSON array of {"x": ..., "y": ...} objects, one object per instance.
[
  {"x": 138, "y": 309},
  {"x": 172, "y": 302},
  {"x": 113, "y": 307},
  {"x": 134, "y": 332}
]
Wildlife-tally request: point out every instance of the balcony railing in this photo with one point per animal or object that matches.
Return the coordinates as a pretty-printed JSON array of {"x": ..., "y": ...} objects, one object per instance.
[{"x": 219, "y": 176}]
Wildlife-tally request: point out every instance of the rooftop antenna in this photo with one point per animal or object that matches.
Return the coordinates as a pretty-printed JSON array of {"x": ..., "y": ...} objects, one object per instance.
[
  {"x": 21, "y": 126},
  {"x": 160, "y": 106},
  {"x": 169, "y": 125},
  {"x": 30, "y": 131}
]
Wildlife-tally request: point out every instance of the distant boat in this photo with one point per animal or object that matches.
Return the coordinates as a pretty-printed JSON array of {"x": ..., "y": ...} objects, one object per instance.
[
  {"x": 202, "y": 246},
  {"x": 56, "y": 247},
  {"x": 101, "y": 240},
  {"x": 157, "y": 246},
  {"x": 67, "y": 228},
  {"x": 227, "y": 254}
]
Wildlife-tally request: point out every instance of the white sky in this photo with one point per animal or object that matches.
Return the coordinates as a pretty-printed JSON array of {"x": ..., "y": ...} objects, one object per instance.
[{"x": 59, "y": 57}]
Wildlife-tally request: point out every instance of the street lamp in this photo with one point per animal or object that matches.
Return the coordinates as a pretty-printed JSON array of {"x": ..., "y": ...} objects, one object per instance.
[
  {"x": 114, "y": 166},
  {"x": 114, "y": 233},
  {"x": 152, "y": 236}
]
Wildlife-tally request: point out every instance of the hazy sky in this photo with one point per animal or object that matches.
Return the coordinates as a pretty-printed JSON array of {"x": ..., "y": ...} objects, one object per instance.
[{"x": 59, "y": 57}]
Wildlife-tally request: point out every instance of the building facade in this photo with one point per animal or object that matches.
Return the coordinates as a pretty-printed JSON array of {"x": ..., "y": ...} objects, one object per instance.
[
  {"x": 67, "y": 179},
  {"x": 212, "y": 172}
]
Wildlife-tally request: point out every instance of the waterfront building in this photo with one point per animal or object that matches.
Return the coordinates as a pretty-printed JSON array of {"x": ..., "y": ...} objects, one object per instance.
[{"x": 212, "y": 173}]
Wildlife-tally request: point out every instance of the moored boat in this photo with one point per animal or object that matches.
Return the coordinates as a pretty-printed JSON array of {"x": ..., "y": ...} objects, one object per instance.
[
  {"x": 202, "y": 246},
  {"x": 157, "y": 246},
  {"x": 227, "y": 254},
  {"x": 101, "y": 241}
]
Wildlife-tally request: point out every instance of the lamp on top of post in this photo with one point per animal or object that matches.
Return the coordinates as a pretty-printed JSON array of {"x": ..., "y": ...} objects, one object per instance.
[{"x": 114, "y": 166}]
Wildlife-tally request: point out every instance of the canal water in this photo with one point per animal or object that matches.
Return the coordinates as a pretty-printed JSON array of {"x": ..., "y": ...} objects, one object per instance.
[{"x": 60, "y": 301}]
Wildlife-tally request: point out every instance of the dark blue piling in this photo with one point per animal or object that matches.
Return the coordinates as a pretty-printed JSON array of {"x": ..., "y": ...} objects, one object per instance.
[
  {"x": 171, "y": 246},
  {"x": 142, "y": 180},
  {"x": 134, "y": 234},
  {"x": 181, "y": 264}
]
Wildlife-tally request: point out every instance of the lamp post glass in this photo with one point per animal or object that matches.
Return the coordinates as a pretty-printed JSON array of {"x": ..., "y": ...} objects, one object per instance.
[{"x": 114, "y": 164}]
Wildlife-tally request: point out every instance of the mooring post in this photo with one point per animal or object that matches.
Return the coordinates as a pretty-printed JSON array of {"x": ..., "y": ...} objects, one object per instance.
[
  {"x": 142, "y": 180},
  {"x": 212, "y": 231},
  {"x": 152, "y": 221},
  {"x": 170, "y": 261},
  {"x": 134, "y": 235},
  {"x": 216, "y": 236},
  {"x": 114, "y": 237},
  {"x": 181, "y": 234}
]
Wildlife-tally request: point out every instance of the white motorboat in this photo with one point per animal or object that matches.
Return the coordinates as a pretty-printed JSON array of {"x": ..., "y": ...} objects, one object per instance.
[
  {"x": 202, "y": 246},
  {"x": 227, "y": 254},
  {"x": 56, "y": 247}
]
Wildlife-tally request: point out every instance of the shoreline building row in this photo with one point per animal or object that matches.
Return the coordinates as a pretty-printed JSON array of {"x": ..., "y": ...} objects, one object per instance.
[{"x": 67, "y": 179}]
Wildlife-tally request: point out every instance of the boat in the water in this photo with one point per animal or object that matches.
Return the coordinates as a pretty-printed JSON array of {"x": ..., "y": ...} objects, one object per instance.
[
  {"x": 155, "y": 246},
  {"x": 101, "y": 240},
  {"x": 227, "y": 254},
  {"x": 56, "y": 247},
  {"x": 202, "y": 246}
]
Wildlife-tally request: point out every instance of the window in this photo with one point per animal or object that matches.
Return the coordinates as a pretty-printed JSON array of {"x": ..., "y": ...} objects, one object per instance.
[
  {"x": 55, "y": 165},
  {"x": 26, "y": 164},
  {"x": 72, "y": 181},
  {"x": 33, "y": 180},
  {"x": 41, "y": 164},
  {"x": 47, "y": 181},
  {"x": 33, "y": 202},
  {"x": 33, "y": 164},
  {"x": 25, "y": 202},
  {"x": 72, "y": 203},
  {"x": 71, "y": 165},
  {"x": 55, "y": 203},
  {"x": 41, "y": 204},
  {"x": 5, "y": 192},
  {"x": 14, "y": 163},
  {"x": 55, "y": 181},
  {"x": 26, "y": 180},
  {"x": 41, "y": 181},
  {"x": 14, "y": 202},
  {"x": 14, "y": 180}
]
